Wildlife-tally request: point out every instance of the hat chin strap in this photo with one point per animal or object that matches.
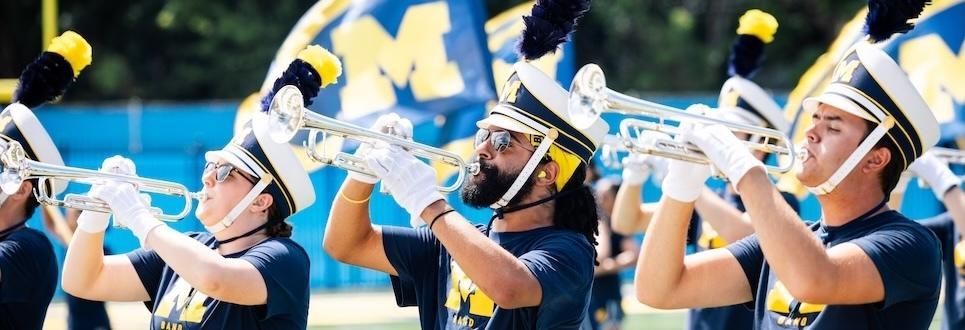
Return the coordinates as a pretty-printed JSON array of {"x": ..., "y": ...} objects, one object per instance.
[
  {"x": 852, "y": 161},
  {"x": 242, "y": 204},
  {"x": 524, "y": 175}
]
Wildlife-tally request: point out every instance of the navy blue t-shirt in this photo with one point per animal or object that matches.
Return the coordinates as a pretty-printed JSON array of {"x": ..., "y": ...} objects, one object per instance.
[
  {"x": 174, "y": 304},
  {"x": 953, "y": 313},
  {"x": 906, "y": 254},
  {"x": 733, "y": 317},
  {"x": 561, "y": 260},
  {"x": 28, "y": 277}
]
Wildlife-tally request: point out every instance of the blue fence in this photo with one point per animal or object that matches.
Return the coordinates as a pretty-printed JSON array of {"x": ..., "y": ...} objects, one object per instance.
[{"x": 168, "y": 142}]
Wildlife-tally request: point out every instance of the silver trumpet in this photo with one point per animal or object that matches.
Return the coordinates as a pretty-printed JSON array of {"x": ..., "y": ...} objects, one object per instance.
[
  {"x": 589, "y": 98},
  {"x": 18, "y": 168},
  {"x": 287, "y": 115}
]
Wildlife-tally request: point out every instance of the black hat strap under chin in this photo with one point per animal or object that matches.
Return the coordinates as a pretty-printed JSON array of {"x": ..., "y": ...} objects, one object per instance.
[
  {"x": 502, "y": 211},
  {"x": 249, "y": 233}
]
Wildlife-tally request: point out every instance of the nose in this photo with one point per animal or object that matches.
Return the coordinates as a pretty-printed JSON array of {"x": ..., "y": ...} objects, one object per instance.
[
  {"x": 207, "y": 179},
  {"x": 484, "y": 150},
  {"x": 811, "y": 134}
]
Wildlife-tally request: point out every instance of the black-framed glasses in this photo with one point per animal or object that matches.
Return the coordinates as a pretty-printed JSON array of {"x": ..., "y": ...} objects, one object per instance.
[
  {"x": 500, "y": 140},
  {"x": 222, "y": 171}
]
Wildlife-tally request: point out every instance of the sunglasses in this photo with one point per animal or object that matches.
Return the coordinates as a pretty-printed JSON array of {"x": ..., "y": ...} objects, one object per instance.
[
  {"x": 222, "y": 172},
  {"x": 500, "y": 140}
]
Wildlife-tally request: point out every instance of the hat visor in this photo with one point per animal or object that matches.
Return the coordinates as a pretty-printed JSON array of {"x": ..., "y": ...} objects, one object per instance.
[
  {"x": 505, "y": 122},
  {"x": 811, "y": 105},
  {"x": 212, "y": 156}
]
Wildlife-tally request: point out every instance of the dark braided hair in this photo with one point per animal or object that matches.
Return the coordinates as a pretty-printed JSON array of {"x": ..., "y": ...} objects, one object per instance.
[{"x": 577, "y": 210}]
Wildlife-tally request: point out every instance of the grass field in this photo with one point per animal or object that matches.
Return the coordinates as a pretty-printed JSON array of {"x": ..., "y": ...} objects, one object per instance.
[
  {"x": 656, "y": 321},
  {"x": 370, "y": 310}
]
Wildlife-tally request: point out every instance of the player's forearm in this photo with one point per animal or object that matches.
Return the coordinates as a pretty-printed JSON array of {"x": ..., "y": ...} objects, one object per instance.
[
  {"x": 349, "y": 223},
  {"x": 661, "y": 263},
  {"x": 198, "y": 264},
  {"x": 727, "y": 220},
  {"x": 791, "y": 249},
  {"x": 955, "y": 203},
  {"x": 626, "y": 214},
  {"x": 494, "y": 270},
  {"x": 83, "y": 263}
]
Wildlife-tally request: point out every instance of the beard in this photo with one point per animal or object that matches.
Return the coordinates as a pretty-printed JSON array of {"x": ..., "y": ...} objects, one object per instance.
[{"x": 492, "y": 186}]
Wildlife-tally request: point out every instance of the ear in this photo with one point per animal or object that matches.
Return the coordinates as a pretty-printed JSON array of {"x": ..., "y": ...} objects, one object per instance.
[
  {"x": 25, "y": 191},
  {"x": 547, "y": 174},
  {"x": 261, "y": 203},
  {"x": 876, "y": 160}
]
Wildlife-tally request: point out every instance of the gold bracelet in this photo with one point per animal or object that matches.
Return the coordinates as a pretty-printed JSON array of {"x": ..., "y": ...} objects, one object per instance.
[{"x": 353, "y": 201}]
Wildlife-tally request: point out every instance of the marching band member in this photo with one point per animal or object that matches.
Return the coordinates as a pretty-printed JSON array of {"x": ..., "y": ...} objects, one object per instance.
[
  {"x": 614, "y": 253},
  {"x": 719, "y": 218},
  {"x": 244, "y": 272},
  {"x": 533, "y": 266},
  {"x": 863, "y": 265},
  {"x": 947, "y": 227},
  {"x": 28, "y": 266}
]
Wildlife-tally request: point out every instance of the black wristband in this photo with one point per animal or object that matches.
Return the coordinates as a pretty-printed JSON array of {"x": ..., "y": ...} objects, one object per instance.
[{"x": 437, "y": 217}]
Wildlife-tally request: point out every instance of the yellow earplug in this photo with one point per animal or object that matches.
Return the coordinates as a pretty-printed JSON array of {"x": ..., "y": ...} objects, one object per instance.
[{"x": 542, "y": 174}]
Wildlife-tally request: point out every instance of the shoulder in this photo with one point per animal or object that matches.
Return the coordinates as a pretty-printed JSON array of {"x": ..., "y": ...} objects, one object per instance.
[
  {"x": 895, "y": 232},
  {"x": 279, "y": 248},
  {"x": 565, "y": 243},
  {"x": 30, "y": 239}
]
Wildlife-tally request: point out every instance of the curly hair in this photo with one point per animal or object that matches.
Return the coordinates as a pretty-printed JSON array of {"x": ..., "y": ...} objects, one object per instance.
[{"x": 576, "y": 208}]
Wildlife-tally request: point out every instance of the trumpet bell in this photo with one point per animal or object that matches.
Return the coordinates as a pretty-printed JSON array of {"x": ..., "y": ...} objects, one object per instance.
[
  {"x": 12, "y": 156},
  {"x": 285, "y": 114},
  {"x": 587, "y": 100}
]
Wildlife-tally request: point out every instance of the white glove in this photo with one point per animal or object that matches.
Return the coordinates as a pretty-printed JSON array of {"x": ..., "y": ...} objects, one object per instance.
[
  {"x": 96, "y": 222},
  {"x": 684, "y": 180},
  {"x": 725, "y": 151},
  {"x": 390, "y": 124},
  {"x": 410, "y": 181},
  {"x": 636, "y": 170},
  {"x": 935, "y": 173},
  {"x": 128, "y": 208}
]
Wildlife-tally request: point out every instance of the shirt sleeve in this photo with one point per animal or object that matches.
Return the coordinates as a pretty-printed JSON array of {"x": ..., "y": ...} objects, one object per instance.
[
  {"x": 751, "y": 258},
  {"x": 908, "y": 261},
  {"x": 20, "y": 264},
  {"x": 149, "y": 267},
  {"x": 563, "y": 265},
  {"x": 284, "y": 268},
  {"x": 414, "y": 254}
]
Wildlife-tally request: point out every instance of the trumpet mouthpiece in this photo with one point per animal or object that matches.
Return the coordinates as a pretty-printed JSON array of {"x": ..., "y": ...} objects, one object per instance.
[
  {"x": 199, "y": 196},
  {"x": 473, "y": 168}
]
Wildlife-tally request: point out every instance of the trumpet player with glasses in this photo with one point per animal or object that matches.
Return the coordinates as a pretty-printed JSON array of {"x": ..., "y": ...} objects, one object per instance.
[
  {"x": 532, "y": 266},
  {"x": 718, "y": 218},
  {"x": 245, "y": 272},
  {"x": 28, "y": 266},
  {"x": 863, "y": 265}
]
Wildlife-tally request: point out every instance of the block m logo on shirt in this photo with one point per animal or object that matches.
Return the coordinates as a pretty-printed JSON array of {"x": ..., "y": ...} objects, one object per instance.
[{"x": 465, "y": 298}]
